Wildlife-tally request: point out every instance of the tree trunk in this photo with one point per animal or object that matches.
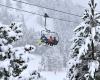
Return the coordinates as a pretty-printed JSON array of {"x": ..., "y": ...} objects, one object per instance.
[{"x": 93, "y": 50}]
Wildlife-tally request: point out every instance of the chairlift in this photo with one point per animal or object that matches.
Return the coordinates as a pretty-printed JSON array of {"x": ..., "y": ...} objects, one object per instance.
[{"x": 49, "y": 37}]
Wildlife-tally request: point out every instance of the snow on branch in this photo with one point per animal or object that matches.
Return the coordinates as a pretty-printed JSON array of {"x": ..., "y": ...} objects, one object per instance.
[{"x": 93, "y": 67}]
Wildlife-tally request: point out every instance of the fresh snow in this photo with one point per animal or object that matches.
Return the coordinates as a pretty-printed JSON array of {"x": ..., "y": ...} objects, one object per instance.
[
  {"x": 33, "y": 65},
  {"x": 93, "y": 66},
  {"x": 50, "y": 75},
  {"x": 5, "y": 64},
  {"x": 93, "y": 31}
]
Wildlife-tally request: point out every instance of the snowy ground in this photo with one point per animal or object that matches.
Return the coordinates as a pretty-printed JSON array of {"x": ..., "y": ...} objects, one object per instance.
[
  {"x": 53, "y": 76},
  {"x": 48, "y": 75}
]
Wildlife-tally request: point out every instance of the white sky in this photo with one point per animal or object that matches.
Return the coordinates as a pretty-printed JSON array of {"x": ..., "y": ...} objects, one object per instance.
[{"x": 85, "y": 3}]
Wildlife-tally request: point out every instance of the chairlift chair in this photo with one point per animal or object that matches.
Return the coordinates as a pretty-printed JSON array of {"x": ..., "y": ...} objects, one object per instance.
[{"x": 46, "y": 33}]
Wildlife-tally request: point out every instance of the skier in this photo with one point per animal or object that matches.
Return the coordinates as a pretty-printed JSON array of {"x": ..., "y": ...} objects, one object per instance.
[
  {"x": 50, "y": 41},
  {"x": 55, "y": 41},
  {"x": 44, "y": 39}
]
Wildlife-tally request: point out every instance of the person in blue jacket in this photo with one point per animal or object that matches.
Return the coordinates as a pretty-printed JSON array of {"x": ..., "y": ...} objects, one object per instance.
[{"x": 44, "y": 39}]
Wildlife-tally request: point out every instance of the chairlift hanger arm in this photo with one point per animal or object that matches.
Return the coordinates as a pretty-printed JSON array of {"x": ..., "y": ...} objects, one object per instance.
[{"x": 45, "y": 25}]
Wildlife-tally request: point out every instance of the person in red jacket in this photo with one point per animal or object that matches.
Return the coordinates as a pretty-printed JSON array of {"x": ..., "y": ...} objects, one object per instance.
[{"x": 50, "y": 41}]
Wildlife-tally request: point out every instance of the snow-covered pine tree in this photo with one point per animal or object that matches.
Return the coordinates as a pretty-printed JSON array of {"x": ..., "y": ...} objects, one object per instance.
[
  {"x": 85, "y": 58},
  {"x": 15, "y": 63}
]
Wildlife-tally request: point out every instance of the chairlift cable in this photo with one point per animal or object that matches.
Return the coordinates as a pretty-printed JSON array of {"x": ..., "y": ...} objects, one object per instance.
[
  {"x": 48, "y": 8},
  {"x": 36, "y": 13}
]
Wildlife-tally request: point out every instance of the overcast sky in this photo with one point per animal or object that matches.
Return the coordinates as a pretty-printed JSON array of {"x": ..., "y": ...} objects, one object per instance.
[{"x": 85, "y": 3}]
